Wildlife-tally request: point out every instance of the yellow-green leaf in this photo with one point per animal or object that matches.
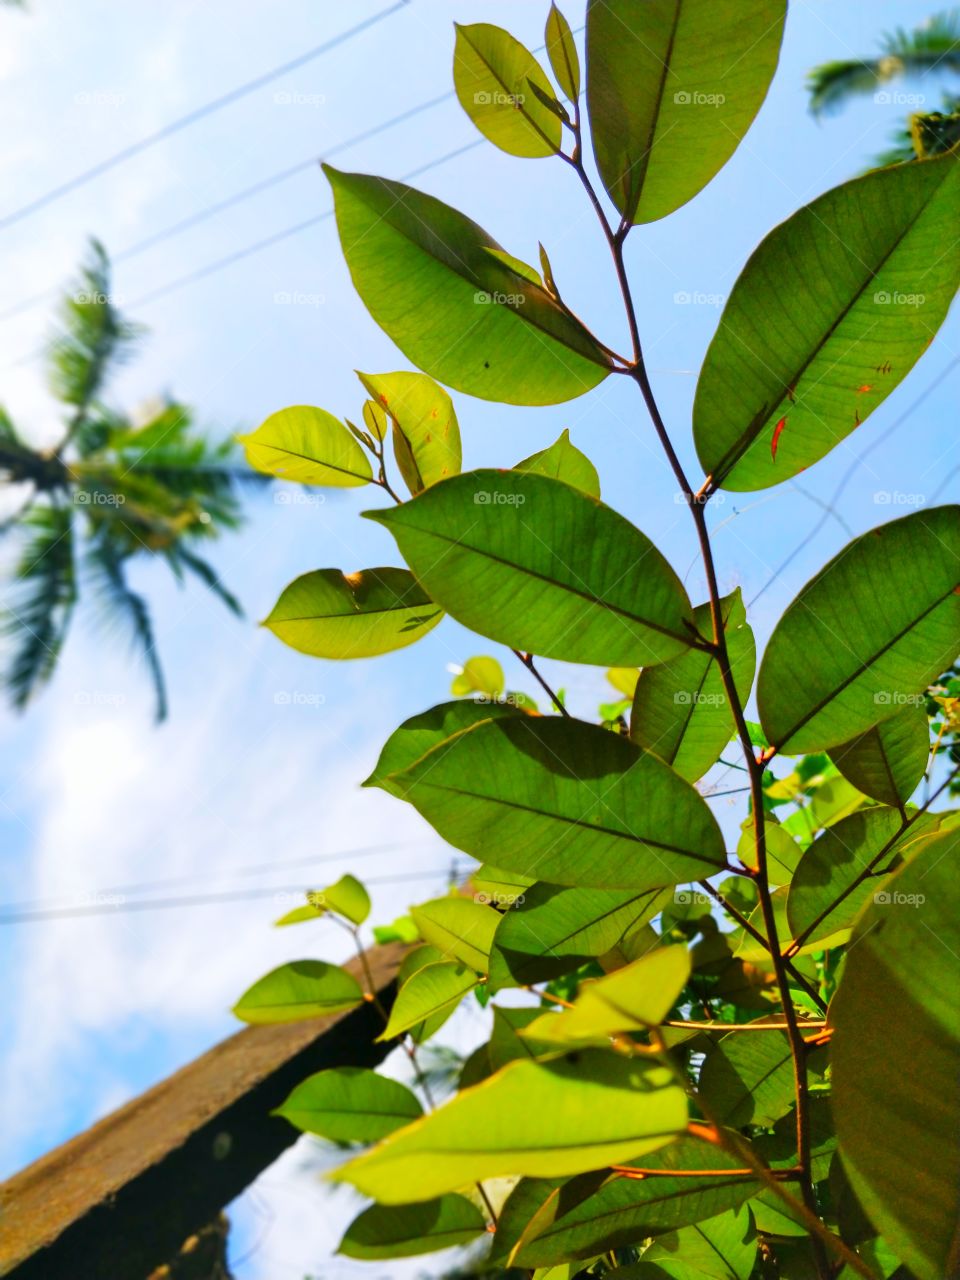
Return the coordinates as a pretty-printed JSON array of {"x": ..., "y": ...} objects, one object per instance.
[
  {"x": 407, "y": 1230},
  {"x": 309, "y": 446},
  {"x": 492, "y": 72},
  {"x": 426, "y": 434},
  {"x": 562, "y": 53},
  {"x": 350, "y": 1104},
  {"x": 459, "y": 928},
  {"x": 298, "y": 990},
  {"x": 431, "y": 991}
]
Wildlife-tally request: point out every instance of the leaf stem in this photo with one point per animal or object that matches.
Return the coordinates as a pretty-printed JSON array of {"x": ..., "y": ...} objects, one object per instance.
[{"x": 527, "y": 660}]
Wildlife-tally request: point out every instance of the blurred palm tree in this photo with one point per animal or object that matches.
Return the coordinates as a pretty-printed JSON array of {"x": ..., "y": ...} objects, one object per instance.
[
  {"x": 931, "y": 48},
  {"x": 111, "y": 489}
]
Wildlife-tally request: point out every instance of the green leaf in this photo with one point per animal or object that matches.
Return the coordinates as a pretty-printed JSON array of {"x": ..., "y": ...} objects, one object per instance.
[
  {"x": 536, "y": 565},
  {"x": 493, "y": 75},
  {"x": 672, "y": 87},
  {"x": 567, "y": 801},
  {"x": 431, "y": 991},
  {"x": 564, "y": 461},
  {"x": 422, "y": 732},
  {"x": 680, "y": 708},
  {"x": 888, "y": 761},
  {"x": 747, "y": 1078},
  {"x": 508, "y": 1043},
  {"x": 350, "y": 1104},
  {"x": 298, "y": 990},
  {"x": 723, "y": 1248},
  {"x": 896, "y": 1060},
  {"x": 499, "y": 887},
  {"x": 554, "y": 930},
  {"x": 562, "y": 53},
  {"x": 636, "y": 997},
  {"x": 596, "y": 1213},
  {"x": 831, "y": 313},
  {"x": 299, "y": 915},
  {"x": 424, "y": 273},
  {"x": 426, "y": 434},
  {"x": 479, "y": 675},
  {"x": 824, "y": 895},
  {"x": 330, "y": 614},
  {"x": 375, "y": 420},
  {"x": 613, "y": 1109},
  {"x": 406, "y": 1230},
  {"x": 347, "y": 898},
  {"x": 783, "y": 852},
  {"x": 307, "y": 445},
  {"x": 866, "y": 636},
  {"x": 459, "y": 929}
]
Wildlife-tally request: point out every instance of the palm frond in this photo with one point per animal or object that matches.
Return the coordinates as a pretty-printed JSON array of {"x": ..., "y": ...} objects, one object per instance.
[
  {"x": 107, "y": 565},
  {"x": 42, "y": 600},
  {"x": 932, "y": 46},
  {"x": 93, "y": 338},
  {"x": 182, "y": 558}
]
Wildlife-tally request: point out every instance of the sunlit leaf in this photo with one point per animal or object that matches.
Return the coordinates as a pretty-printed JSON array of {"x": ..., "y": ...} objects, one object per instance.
[
  {"x": 564, "y": 461},
  {"x": 479, "y": 675},
  {"x": 426, "y": 434},
  {"x": 566, "y": 801},
  {"x": 307, "y": 445},
  {"x": 493, "y": 75},
  {"x": 562, "y": 53},
  {"x": 672, "y": 87},
  {"x": 431, "y": 991},
  {"x": 831, "y": 313},
  {"x": 748, "y": 1078},
  {"x": 330, "y": 614},
  {"x": 459, "y": 928},
  {"x": 866, "y": 636},
  {"x": 536, "y": 565},
  {"x": 896, "y": 1060},
  {"x": 424, "y": 273},
  {"x": 613, "y": 1109},
  {"x": 722, "y": 1248},
  {"x": 407, "y": 1230},
  {"x": 680, "y": 708},
  {"x": 888, "y": 761},
  {"x": 350, "y": 1104},
  {"x": 300, "y": 989}
]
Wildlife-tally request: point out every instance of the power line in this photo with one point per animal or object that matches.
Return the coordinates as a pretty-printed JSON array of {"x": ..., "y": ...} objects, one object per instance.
[
  {"x": 191, "y": 117},
  {"x": 186, "y": 900},
  {"x": 229, "y": 873},
  {"x": 238, "y": 255}
]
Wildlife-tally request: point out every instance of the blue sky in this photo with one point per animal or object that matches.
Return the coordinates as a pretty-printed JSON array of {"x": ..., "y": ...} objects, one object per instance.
[{"x": 93, "y": 796}]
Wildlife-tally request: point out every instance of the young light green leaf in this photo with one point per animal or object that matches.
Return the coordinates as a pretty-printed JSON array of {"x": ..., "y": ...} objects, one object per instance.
[
  {"x": 425, "y": 274},
  {"x": 596, "y": 1213},
  {"x": 479, "y": 675},
  {"x": 895, "y": 1014},
  {"x": 407, "y": 1230},
  {"x": 422, "y": 732},
  {"x": 564, "y": 461},
  {"x": 375, "y": 419},
  {"x": 632, "y": 999},
  {"x": 566, "y": 801},
  {"x": 426, "y": 434},
  {"x": 888, "y": 761},
  {"x": 866, "y": 636},
  {"x": 350, "y": 1104},
  {"x": 554, "y": 930},
  {"x": 347, "y": 897},
  {"x": 830, "y": 314},
  {"x": 613, "y": 1109},
  {"x": 459, "y": 928},
  {"x": 493, "y": 75},
  {"x": 298, "y": 990},
  {"x": 672, "y": 87},
  {"x": 430, "y": 992},
  {"x": 680, "y": 708},
  {"x": 536, "y": 565},
  {"x": 562, "y": 53},
  {"x": 783, "y": 852},
  {"x": 748, "y": 1078},
  {"x": 299, "y": 915},
  {"x": 508, "y": 1037},
  {"x": 309, "y": 446},
  {"x": 330, "y": 614}
]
